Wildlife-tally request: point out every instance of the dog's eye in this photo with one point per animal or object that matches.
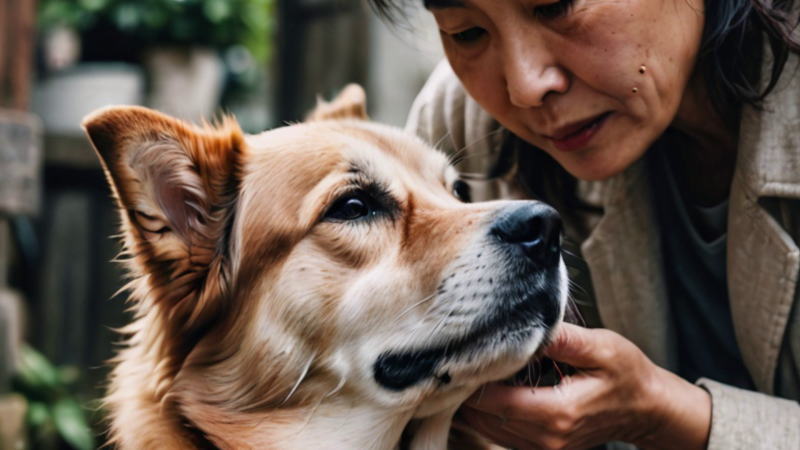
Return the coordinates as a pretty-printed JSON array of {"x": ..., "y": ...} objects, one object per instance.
[
  {"x": 462, "y": 191},
  {"x": 351, "y": 207}
]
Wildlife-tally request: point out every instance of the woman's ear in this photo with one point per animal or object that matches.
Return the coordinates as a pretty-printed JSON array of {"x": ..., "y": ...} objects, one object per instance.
[
  {"x": 351, "y": 103},
  {"x": 175, "y": 186}
]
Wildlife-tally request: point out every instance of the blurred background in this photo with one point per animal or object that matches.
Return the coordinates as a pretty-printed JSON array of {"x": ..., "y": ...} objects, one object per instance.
[{"x": 265, "y": 61}]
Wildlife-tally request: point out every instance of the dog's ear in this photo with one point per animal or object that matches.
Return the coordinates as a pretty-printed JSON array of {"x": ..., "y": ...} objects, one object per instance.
[
  {"x": 351, "y": 103},
  {"x": 175, "y": 185}
]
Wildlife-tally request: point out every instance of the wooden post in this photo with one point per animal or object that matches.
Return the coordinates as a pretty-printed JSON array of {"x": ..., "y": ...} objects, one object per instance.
[
  {"x": 24, "y": 26},
  {"x": 20, "y": 161},
  {"x": 4, "y": 17},
  {"x": 320, "y": 49}
]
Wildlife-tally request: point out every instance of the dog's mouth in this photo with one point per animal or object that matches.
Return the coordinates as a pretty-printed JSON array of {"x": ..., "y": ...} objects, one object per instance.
[{"x": 508, "y": 327}]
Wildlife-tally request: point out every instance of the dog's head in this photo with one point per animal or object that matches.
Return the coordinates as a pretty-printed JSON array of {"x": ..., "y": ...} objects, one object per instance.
[{"x": 331, "y": 257}]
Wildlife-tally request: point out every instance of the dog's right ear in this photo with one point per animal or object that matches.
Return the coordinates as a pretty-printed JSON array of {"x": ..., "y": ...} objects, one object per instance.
[
  {"x": 351, "y": 103},
  {"x": 175, "y": 185}
]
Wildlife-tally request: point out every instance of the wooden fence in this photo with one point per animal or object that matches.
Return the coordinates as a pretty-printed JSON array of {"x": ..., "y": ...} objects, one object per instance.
[{"x": 19, "y": 190}]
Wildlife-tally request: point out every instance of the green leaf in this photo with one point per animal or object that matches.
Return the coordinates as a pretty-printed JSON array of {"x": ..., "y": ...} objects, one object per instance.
[
  {"x": 127, "y": 17},
  {"x": 93, "y": 5},
  {"x": 71, "y": 424},
  {"x": 216, "y": 10},
  {"x": 35, "y": 372},
  {"x": 37, "y": 414}
]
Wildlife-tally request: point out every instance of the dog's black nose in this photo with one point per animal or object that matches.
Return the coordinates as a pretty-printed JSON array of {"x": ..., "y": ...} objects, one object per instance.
[{"x": 533, "y": 227}]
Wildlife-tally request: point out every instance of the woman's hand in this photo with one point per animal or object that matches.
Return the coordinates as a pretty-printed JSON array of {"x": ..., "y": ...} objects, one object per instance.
[{"x": 618, "y": 394}]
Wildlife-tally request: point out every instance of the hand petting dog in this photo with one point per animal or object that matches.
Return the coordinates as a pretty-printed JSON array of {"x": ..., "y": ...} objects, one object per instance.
[{"x": 617, "y": 391}]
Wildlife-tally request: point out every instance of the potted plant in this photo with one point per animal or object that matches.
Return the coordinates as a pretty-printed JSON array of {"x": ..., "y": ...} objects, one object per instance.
[{"x": 178, "y": 41}]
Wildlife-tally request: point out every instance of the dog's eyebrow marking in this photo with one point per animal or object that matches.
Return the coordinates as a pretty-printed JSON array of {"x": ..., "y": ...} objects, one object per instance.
[{"x": 440, "y": 4}]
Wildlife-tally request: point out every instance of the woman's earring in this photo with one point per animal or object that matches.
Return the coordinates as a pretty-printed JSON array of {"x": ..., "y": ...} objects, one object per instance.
[
  {"x": 635, "y": 90},
  {"x": 642, "y": 69}
]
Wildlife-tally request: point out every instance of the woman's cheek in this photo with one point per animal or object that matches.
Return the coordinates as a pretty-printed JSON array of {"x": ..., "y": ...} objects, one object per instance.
[{"x": 482, "y": 78}]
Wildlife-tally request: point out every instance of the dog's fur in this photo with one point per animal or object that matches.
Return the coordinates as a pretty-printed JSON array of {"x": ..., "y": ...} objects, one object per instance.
[{"x": 266, "y": 316}]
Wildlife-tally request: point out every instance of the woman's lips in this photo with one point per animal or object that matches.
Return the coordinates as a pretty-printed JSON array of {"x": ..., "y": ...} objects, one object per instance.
[{"x": 577, "y": 136}]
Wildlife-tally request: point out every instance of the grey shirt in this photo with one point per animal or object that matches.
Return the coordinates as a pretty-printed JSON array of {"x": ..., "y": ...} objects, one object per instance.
[{"x": 693, "y": 241}]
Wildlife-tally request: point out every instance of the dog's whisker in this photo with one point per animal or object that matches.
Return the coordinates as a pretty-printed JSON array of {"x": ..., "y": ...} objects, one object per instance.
[
  {"x": 573, "y": 313},
  {"x": 337, "y": 388},
  {"x": 410, "y": 308},
  {"x": 454, "y": 156},
  {"x": 441, "y": 139},
  {"x": 558, "y": 372},
  {"x": 573, "y": 286},
  {"x": 468, "y": 156},
  {"x": 529, "y": 367},
  {"x": 480, "y": 393},
  {"x": 303, "y": 375},
  {"x": 311, "y": 414},
  {"x": 444, "y": 318}
]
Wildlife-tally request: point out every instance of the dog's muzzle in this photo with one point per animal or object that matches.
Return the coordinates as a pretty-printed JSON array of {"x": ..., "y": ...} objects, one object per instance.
[{"x": 510, "y": 302}]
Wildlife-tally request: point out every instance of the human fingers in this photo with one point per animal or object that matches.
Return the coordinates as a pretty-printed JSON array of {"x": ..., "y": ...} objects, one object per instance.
[
  {"x": 584, "y": 348},
  {"x": 519, "y": 434},
  {"x": 563, "y": 402},
  {"x": 493, "y": 428}
]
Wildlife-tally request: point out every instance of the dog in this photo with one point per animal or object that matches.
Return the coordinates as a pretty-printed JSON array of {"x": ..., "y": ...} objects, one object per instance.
[{"x": 321, "y": 285}]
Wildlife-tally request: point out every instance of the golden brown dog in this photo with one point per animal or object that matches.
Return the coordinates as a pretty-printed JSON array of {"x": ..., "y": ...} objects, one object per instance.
[{"x": 315, "y": 286}]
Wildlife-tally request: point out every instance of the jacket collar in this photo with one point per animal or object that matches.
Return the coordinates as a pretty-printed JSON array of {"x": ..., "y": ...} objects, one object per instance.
[
  {"x": 763, "y": 260},
  {"x": 634, "y": 301}
]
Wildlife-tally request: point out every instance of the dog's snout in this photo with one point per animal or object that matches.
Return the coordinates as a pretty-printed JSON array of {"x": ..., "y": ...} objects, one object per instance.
[{"x": 535, "y": 228}]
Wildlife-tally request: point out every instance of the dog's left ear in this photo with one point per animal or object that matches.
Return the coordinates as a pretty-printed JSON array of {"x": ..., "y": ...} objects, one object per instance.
[
  {"x": 176, "y": 185},
  {"x": 351, "y": 103}
]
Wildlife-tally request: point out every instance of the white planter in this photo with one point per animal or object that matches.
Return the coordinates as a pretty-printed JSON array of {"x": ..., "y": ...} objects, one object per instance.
[
  {"x": 63, "y": 99},
  {"x": 185, "y": 82}
]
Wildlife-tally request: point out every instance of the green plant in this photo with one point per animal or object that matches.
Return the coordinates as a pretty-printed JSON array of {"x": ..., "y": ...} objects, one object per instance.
[
  {"x": 53, "y": 411},
  {"x": 213, "y": 23}
]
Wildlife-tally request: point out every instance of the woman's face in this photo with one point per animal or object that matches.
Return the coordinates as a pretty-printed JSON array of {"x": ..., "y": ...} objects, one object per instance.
[{"x": 591, "y": 82}]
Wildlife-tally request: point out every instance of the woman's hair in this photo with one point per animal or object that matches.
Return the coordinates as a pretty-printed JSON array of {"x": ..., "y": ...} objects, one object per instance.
[
  {"x": 730, "y": 51},
  {"x": 729, "y": 60}
]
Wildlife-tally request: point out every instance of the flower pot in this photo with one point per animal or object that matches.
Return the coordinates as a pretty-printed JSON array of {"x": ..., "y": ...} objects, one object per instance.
[
  {"x": 185, "y": 82},
  {"x": 64, "y": 98}
]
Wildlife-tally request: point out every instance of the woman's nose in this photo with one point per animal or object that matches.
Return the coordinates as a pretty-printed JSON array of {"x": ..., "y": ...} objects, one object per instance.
[{"x": 531, "y": 73}]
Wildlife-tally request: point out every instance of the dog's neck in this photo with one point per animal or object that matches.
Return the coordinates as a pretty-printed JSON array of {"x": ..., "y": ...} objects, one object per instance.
[{"x": 334, "y": 424}]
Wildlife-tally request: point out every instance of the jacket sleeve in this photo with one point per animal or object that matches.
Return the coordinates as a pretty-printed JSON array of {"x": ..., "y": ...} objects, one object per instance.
[
  {"x": 445, "y": 116},
  {"x": 742, "y": 419}
]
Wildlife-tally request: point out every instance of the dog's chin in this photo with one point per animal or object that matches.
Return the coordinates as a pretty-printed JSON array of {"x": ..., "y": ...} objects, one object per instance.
[
  {"x": 497, "y": 345},
  {"x": 495, "y": 359}
]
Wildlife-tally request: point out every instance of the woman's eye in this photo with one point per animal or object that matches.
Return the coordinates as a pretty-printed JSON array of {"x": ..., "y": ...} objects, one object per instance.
[
  {"x": 350, "y": 207},
  {"x": 462, "y": 191},
  {"x": 553, "y": 10},
  {"x": 469, "y": 35}
]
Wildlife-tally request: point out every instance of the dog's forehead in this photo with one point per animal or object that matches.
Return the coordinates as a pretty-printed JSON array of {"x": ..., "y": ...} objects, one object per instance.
[
  {"x": 318, "y": 148},
  {"x": 291, "y": 172}
]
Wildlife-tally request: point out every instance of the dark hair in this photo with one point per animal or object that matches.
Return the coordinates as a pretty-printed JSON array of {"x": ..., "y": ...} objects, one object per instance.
[
  {"x": 729, "y": 60},
  {"x": 730, "y": 51}
]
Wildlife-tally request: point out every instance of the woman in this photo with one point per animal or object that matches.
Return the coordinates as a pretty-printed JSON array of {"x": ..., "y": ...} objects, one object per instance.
[{"x": 667, "y": 132}]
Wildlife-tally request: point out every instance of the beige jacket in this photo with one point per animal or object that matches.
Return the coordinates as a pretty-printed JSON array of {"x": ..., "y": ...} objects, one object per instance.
[{"x": 624, "y": 259}]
